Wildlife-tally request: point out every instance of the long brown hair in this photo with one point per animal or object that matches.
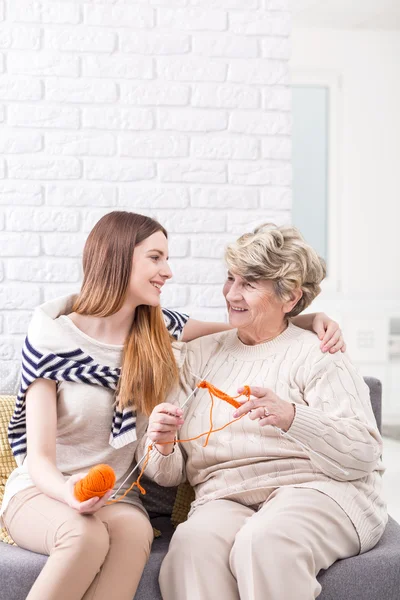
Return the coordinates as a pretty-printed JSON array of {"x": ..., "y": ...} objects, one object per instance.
[{"x": 148, "y": 369}]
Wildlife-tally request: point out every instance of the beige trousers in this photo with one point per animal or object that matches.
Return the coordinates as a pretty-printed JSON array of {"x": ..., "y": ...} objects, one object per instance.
[
  {"x": 95, "y": 557},
  {"x": 230, "y": 551}
]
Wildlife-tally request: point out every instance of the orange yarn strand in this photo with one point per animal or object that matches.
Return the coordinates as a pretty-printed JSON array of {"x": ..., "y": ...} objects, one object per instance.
[
  {"x": 211, "y": 418},
  {"x": 204, "y": 433},
  {"x": 137, "y": 482},
  {"x": 213, "y": 391}
]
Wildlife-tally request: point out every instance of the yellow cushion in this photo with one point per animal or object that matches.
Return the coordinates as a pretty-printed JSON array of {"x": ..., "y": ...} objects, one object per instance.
[
  {"x": 183, "y": 500},
  {"x": 7, "y": 461},
  {"x": 6, "y": 538}
]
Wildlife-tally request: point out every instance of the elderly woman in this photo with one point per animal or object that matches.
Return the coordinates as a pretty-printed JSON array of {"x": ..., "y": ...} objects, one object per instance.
[{"x": 295, "y": 484}]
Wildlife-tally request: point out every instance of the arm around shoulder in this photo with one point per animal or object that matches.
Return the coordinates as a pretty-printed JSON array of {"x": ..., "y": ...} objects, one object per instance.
[{"x": 195, "y": 329}]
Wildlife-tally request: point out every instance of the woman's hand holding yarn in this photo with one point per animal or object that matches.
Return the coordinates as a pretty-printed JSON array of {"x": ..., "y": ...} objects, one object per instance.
[
  {"x": 164, "y": 422},
  {"x": 88, "y": 506},
  {"x": 268, "y": 408}
]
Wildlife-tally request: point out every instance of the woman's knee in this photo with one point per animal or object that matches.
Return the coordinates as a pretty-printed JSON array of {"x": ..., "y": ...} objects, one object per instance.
[
  {"x": 276, "y": 547},
  {"x": 87, "y": 534},
  {"x": 131, "y": 527},
  {"x": 192, "y": 537}
]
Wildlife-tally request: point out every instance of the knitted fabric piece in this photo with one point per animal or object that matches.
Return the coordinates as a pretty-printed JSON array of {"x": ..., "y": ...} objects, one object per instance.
[
  {"x": 184, "y": 498},
  {"x": 7, "y": 461}
]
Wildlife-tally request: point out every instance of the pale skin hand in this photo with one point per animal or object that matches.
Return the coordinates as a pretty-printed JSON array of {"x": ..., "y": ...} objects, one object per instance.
[
  {"x": 164, "y": 422},
  {"x": 281, "y": 412},
  {"x": 88, "y": 506},
  {"x": 327, "y": 330}
]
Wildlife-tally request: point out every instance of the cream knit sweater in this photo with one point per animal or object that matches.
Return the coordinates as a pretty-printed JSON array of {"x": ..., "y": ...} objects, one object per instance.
[{"x": 246, "y": 462}]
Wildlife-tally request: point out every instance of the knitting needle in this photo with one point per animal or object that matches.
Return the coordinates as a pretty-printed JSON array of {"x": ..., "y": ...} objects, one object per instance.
[
  {"x": 127, "y": 477},
  {"x": 144, "y": 456},
  {"x": 196, "y": 388}
]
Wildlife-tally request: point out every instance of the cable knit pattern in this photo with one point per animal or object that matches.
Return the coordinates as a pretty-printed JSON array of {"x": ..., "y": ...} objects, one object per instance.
[{"x": 245, "y": 462}]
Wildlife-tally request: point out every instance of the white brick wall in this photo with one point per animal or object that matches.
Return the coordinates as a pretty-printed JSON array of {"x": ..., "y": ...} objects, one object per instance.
[{"x": 175, "y": 108}]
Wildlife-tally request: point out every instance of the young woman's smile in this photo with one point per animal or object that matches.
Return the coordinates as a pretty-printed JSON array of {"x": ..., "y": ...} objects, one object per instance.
[{"x": 150, "y": 270}]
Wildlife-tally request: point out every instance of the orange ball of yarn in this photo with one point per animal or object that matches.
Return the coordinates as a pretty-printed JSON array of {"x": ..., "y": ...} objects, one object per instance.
[{"x": 97, "y": 482}]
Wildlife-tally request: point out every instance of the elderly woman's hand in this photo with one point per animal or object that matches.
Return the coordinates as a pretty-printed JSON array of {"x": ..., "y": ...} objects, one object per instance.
[
  {"x": 329, "y": 333},
  {"x": 267, "y": 407}
]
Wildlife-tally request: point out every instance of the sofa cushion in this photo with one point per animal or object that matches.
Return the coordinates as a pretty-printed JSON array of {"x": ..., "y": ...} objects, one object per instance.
[
  {"x": 374, "y": 575},
  {"x": 19, "y": 568},
  {"x": 158, "y": 500},
  {"x": 370, "y": 576},
  {"x": 184, "y": 497}
]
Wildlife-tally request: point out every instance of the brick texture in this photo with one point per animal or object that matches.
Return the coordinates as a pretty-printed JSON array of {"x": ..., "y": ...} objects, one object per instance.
[{"x": 179, "y": 109}]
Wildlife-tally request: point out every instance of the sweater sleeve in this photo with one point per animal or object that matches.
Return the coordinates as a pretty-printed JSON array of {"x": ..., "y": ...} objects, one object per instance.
[
  {"x": 338, "y": 421},
  {"x": 169, "y": 470}
]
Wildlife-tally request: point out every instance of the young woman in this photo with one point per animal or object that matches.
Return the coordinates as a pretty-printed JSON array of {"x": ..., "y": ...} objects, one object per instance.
[{"x": 94, "y": 367}]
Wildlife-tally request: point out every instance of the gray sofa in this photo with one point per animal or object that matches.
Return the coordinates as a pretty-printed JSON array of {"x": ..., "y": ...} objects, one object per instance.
[{"x": 371, "y": 576}]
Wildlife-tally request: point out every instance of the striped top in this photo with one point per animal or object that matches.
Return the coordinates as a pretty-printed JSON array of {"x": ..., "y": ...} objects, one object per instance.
[
  {"x": 44, "y": 357},
  {"x": 90, "y": 430}
]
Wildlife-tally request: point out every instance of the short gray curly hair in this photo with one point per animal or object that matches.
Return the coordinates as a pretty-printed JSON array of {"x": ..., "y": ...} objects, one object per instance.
[{"x": 281, "y": 255}]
